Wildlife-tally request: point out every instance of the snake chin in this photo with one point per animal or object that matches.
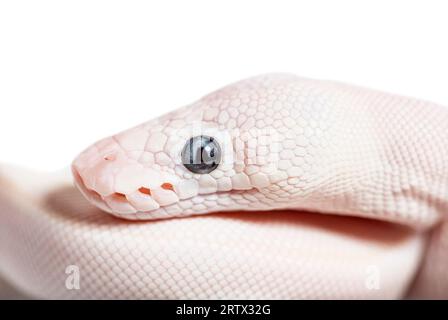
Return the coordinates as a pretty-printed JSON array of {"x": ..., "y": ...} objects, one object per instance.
[{"x": 144, "y": 202}]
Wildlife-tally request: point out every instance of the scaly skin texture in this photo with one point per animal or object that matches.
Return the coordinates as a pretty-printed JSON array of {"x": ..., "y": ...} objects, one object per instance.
[
  {"x": 289, "y": 144},
  {"x": 247, "y": 255}
]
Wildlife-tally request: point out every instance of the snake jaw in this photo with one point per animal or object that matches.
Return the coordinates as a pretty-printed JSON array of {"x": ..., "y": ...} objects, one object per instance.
[
  {"x": 118, "y": 184},
  {"x": 94, "y": 197},
  {"x": 135, "y": 189}
]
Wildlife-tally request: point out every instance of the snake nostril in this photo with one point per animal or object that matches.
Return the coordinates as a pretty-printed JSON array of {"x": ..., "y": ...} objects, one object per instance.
[{"x": 109, "y": 157}]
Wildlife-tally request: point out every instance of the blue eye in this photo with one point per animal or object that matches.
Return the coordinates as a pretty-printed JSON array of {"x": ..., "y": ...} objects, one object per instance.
[{"x": 201, "y": 154}]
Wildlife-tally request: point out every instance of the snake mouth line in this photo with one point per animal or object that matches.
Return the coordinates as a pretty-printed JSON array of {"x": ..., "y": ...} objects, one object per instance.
[
  {"x": 142, "y": 200},
  {"x": 145, "y": 203},
  {"x": 119, "y": 203}
]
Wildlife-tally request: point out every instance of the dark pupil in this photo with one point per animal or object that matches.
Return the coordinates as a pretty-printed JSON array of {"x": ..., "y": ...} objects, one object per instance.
[{"x": 201, "y": 154}]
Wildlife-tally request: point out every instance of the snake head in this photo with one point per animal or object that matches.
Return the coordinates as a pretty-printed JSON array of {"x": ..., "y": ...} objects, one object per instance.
[
  {"x": 163, "y": 168},
  {"x": 274, "y": 142},
  {"x": 213, "y": 155}
]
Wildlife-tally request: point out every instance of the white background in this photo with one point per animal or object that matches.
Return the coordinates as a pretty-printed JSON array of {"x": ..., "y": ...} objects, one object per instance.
[{"x": 72, "y": 72}]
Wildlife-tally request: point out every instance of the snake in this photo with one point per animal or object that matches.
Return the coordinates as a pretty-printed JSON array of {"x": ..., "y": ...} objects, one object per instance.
[{"x": 273, "y": 187}]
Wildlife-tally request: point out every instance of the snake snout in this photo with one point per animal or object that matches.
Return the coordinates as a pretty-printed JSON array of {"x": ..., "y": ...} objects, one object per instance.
[
  {"x": 118, "y": 184},
  {"x": 91, "y": 195}
]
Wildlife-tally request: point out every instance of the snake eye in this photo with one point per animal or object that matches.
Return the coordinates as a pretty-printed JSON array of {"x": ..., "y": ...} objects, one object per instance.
[{"x": 201, "y": 154}]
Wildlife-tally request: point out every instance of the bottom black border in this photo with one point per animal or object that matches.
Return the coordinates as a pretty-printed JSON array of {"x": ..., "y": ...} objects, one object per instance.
[{"x": 213, "y": 309}]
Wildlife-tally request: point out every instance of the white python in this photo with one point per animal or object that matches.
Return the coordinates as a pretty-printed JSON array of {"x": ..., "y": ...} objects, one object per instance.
[{"x": 377, "y": 162}]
